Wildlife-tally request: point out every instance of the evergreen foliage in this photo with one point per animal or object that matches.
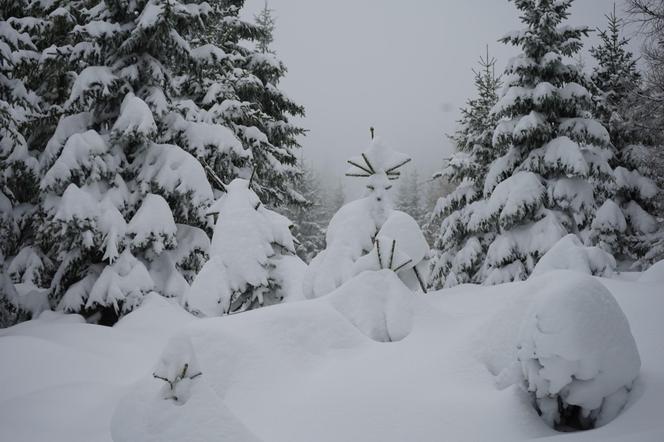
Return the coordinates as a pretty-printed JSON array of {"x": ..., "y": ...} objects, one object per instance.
[
  {"x": 467, "y": 169},
  {"x": 552, "y": 172},
  {"x": 309, "y": 219},
  {"x": 629, "y": 233},
  {"x": 137, "y": 114}
]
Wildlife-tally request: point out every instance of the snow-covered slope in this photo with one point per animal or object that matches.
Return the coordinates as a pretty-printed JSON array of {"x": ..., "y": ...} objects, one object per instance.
[{"x": 312, "y": 370}]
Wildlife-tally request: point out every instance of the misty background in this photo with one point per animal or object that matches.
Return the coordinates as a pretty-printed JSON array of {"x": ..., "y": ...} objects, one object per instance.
[{"x": 403, "y": 67}]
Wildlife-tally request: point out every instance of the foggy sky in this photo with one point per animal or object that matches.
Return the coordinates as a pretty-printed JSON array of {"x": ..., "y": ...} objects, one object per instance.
[{"x": 403, "y": 67}]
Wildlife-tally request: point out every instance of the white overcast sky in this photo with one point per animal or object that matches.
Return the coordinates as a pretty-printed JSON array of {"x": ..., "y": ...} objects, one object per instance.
[{"x": 401, "y": 66}]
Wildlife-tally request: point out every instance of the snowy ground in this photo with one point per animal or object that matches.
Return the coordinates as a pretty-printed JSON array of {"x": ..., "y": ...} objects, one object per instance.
[{"x": 308, "y": 371}]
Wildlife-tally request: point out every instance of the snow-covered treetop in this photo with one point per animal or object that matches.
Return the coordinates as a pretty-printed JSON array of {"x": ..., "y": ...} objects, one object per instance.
[{"x": 377, "y": 159}]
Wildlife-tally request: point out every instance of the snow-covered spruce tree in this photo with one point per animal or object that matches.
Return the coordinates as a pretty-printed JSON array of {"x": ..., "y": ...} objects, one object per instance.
[
  {"x": 237, "y": 86},
  {"x": 309, "y": 219},
  {"x": 630, "y": 231},
  {"x": 124, "y": 212},
  {"x": 368, "y": 234},
  {"x": 458, "y": 251},
  {"x": 249, "y": 246},
  {"x": 554, "y": 172},
  {"x": 21, "y": 261}
]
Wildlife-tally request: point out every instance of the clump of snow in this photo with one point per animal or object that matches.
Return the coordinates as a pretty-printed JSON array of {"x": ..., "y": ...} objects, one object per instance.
[
  {"x": 576, "y": 355},
  {"x": 121, "y": 286},
  {"x": 377, "y": 303},
  {"x": 135, "y": 120},
  {"x": 83, "y": 154},
  {"x": 609, "y": 218},
  {"x": 570, "y": 254},
  {"x": 377, "y": 158},
  {"x": 152, "y": 227}
]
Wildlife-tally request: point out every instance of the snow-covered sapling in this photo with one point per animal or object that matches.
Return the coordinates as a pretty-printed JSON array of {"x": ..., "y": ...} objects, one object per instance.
[
  {"x": 178, "y": 368},
  {"x": 248, "y": 244}
]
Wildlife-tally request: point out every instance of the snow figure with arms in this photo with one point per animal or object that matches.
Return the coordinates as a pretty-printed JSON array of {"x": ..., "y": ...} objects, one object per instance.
[{"x": 368, "y": 234}]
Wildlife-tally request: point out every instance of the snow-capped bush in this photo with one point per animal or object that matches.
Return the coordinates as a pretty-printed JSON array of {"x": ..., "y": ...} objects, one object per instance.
[
  {"x": 576, "y": 355},
  {"x": 570, "y": 254}
]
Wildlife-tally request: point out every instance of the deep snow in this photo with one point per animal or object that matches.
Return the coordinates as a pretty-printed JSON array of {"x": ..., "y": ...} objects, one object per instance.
[{"x": 303, "y": 371}]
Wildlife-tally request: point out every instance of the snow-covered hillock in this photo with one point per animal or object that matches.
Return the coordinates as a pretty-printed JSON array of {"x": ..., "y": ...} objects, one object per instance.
[
  {"x": 204, "y": 365},
  {"x": 575, "y": 353}
]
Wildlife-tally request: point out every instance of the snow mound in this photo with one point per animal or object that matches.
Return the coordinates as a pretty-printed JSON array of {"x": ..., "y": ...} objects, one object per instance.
[
  {"x": 144, "y": 416},
  {"x": 576, "y": 355},
  {"x": 654, "y": 274},
  {"x": 570, "y": 254},
  {"x": 377, "y": 303}
]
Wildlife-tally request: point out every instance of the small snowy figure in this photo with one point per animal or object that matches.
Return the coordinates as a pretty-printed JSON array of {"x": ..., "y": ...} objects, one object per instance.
[
  {"x": 250, "y": 245},
  {"x": 368, "y": 234},
  {"x": 178, "y": 367}
]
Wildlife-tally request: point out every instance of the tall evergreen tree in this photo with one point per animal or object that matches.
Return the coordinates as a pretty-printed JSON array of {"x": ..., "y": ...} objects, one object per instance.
[
  {"x": 458, "y": 252},
  {"x": 123, "y": 210},
  {"x": 239, "y": 88},
  {"x": 553, "y": 172},
  {"x": 616, "y": 76}
]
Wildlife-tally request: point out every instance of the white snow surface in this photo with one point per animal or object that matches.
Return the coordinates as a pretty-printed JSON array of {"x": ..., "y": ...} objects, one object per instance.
[{"x": 308, "y": 371}]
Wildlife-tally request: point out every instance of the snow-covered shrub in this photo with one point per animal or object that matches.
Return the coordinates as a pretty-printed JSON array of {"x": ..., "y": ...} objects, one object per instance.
[
  {"x": 570, "y": 254},
  {"x": 576, "y": 355},
  {"x": 248, "y": 242}
]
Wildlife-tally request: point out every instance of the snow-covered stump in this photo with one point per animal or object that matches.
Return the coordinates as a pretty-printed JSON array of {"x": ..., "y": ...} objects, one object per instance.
[{"x": 576, "y": 355}]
